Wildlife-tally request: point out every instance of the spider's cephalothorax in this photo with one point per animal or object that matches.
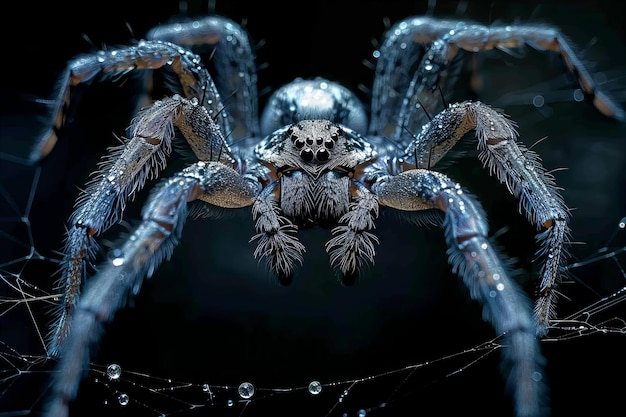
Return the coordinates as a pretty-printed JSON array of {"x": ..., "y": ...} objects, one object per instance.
[{"x": 312, "y": 159}]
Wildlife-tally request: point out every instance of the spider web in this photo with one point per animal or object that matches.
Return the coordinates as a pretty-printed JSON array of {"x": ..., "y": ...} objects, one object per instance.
[{"x": 404, "y": 338}]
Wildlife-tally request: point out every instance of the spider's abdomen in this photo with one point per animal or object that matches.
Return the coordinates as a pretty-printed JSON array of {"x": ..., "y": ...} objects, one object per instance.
[{"x": 313, "y": 99}]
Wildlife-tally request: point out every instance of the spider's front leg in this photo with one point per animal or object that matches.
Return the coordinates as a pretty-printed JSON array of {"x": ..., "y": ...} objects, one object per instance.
[
  {"x": 192, "y": 80},
  {"x": 476, "y": 261},
  {"x": 432, "y": 52},
  {"x": 124, "y": 172},
  {"x": 516, "y": 166},
  {"x": 153, "y": 240},
  {"x": 227, "y": 50}
]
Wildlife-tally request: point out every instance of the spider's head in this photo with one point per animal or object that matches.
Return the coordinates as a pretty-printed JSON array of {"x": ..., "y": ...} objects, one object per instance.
[{"x": 314, "y": 146}]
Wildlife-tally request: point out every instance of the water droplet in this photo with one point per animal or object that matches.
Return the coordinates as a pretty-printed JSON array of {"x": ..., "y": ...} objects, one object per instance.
[
  {"x": 230, "y": 403},
  {"x": 529, "y": 165},
  {"x": 362, "y": 413},
  {"x": 206, "y": 388},
  {"x": 114, "y": 371},
  {"x": 246, "y": 390},
  {"x": 578, "y": 95},
  {"x": 123, "y": 399},
  {"x": 117, "y": 257},
  {"x": 315, "y": 387}
]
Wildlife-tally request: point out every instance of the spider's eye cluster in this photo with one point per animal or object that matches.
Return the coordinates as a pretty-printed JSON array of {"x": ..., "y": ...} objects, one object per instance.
[{"x": 312, "y": 144}]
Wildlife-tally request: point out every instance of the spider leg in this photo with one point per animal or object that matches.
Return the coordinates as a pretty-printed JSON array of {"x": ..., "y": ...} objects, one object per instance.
[
  {"x": 152, "y": 241},
  {"x": 230, "y": 60},
  {"x": 123, "y": 172},
  {"x": 402, "y": 59},
  {"x": 476, "y": 261},
  {"x": 421, "y": 57},
  {"x": 516, "y": 166},
  {"x": 475, "y": 38},
  {"x": 193, "y": 79}
]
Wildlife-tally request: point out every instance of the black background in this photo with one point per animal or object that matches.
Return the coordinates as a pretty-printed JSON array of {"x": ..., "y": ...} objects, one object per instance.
[{"x": 213, "y": 315}]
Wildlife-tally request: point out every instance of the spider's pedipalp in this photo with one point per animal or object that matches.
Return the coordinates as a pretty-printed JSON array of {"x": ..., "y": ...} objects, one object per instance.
[
  {"x": 477, "y": 262},
  {"x": 352, "y": 246},
  {"x": 276, "y": 236}
]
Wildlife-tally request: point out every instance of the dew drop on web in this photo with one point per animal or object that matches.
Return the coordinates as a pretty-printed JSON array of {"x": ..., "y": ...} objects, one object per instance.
[
  {"x": 315, "y": 387},
  {"x": 123, "y": 399},
  {"x": 114, "y": 371},
  {"x": 246, "y": 390}
]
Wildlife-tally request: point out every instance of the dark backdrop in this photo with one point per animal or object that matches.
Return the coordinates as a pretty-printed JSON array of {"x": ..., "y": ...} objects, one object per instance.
[{"x": 213, "y": 315}]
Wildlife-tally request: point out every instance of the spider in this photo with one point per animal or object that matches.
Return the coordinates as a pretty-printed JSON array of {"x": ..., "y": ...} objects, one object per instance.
[{"x": 315, "y": 157}]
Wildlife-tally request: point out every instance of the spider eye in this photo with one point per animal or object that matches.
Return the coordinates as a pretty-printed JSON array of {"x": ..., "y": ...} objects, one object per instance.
[
  {"x": 329, "y": 143},
  {"x": 309, "y": 140},
  {"x": 322, "y": 154},
  {"x": 306, "y": 154},
  {"x": 299, "y": 143}
]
